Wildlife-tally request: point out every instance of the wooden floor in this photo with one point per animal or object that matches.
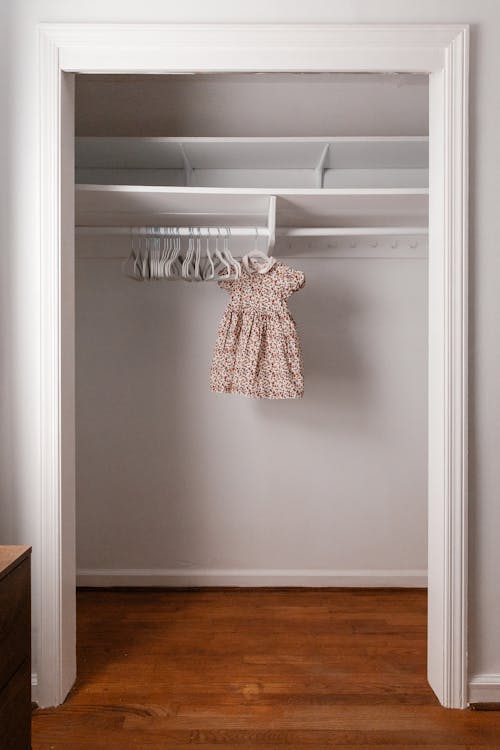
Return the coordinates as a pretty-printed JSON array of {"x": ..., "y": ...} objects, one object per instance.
[{"x": 303, "y": 669}]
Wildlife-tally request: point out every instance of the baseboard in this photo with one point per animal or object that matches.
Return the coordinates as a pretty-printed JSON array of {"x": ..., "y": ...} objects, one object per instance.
[
  {"x": 484, "y": 688},
  {"x": 34, "y": 690},
  {"x": 248, "y": 577}
]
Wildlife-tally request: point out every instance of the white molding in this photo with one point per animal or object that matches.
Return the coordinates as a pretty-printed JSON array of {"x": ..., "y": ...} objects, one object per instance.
[
  {"x": 50, "y": 656},
  {"x": 442, "y": 51},
  {"x": 156, "y": 48},
  {"x": 57, "y": 656},
  {"x": 448, "y": 357},
  {"x": 484, "y": 688},
  {"x": 251, "y": 577}
]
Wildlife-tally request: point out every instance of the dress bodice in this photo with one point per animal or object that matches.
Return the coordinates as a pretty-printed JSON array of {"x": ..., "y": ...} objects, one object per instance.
[{"x": 264, "y": 293}]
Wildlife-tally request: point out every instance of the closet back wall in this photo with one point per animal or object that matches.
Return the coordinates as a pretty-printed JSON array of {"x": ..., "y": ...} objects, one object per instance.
[
  {"x": 243, "y": 104},
  {"x": 176, "y": 485}
]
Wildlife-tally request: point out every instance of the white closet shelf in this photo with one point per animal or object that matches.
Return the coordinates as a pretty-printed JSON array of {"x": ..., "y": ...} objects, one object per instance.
[
  {"x": 344, "y": 152},
  {"x": 132, "y": 205},
  {"x": 329, "y": 161}
]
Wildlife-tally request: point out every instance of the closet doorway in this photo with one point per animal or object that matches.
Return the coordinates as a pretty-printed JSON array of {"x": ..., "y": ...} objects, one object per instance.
[
  {"x": 321, "y": 180},
  {"x": 176, "y": 485}
]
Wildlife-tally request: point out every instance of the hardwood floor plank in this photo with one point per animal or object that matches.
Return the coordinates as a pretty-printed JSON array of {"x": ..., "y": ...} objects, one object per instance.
[{"x": 256, "y": 668}]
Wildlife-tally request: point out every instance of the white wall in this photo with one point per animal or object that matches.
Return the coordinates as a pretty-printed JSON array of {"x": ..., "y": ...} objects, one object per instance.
[
  {"x": 20, "y": 354},
  {"x": 177, "y": 485},
  {"x": 277, "y": 104},
  {"x": 331, "y": 490},
  {"x": 176, "y": 480}
]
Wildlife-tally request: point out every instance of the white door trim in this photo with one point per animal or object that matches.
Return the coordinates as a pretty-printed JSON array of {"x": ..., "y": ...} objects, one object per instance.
[{"x": 441, "y": 51}]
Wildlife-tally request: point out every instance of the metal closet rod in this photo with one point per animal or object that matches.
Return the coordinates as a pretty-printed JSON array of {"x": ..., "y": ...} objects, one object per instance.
[{"x": 262, "y": 231}]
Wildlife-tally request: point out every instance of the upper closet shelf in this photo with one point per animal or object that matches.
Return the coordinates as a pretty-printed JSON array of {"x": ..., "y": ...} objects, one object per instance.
[
  {"x": 128, "y": 205},
  {"x": 329, "y": 162}
]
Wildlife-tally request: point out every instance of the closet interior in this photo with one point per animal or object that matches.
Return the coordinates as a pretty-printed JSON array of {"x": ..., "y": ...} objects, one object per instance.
[{"x": 180, "y": 486}]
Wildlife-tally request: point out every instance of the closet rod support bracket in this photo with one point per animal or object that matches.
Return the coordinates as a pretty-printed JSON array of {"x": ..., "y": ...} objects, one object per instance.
[{"x": 271, "y": 223}]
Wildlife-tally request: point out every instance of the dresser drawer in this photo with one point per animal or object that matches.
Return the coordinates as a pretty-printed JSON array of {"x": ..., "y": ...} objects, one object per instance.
[
  {"x": 14, "y": 620},
  {"x": 15, "y": 710}
]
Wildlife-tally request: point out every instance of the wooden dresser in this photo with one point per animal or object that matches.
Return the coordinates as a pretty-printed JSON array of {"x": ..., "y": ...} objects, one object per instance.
[{"x": 15, "y": 648}]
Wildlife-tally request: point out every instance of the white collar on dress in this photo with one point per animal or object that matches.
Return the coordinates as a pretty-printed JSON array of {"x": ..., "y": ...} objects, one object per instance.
[{"x": 252, "y": 265}]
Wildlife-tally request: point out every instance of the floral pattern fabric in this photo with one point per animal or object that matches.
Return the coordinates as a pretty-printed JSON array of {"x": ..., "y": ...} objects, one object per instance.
[{"x": 257, "y": 352}]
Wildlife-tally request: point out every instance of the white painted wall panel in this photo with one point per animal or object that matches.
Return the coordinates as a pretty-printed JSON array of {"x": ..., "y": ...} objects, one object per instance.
[
  {"x": 273, "y": 105},
  {"x": 171, "y": 476}
]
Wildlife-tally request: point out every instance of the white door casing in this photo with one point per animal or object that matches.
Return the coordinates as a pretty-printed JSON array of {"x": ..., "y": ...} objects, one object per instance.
[{"x": 439, "y": 50}]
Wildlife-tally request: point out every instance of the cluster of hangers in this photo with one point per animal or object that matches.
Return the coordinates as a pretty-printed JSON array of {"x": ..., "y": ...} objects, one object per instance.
[{"x": 159, "y": 253}]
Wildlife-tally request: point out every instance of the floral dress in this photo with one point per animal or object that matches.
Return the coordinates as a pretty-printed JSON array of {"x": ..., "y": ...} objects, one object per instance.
[{"x": 257, "y": 352}]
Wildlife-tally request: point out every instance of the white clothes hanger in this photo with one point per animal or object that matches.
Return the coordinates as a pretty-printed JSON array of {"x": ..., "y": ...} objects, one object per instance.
[
  {"x": 129, "y": 266},
  {"x": 222, "y": 261},
  {"x": 154, "y": 258},
  {"x": 143, "y": 257},
  {"x": 164, "y": 253},
  {"x": 197, "y": 259},
  {"x": 229, "y": 257},
  {"x": 156, "y": 253},
  {"x": 157, "y": 257},
  {"x": 209, "y": 269},
  {"x": 173, "y": 268},
  {"x": 252, "y": 258},
  {"x": 187, "y": 273}
]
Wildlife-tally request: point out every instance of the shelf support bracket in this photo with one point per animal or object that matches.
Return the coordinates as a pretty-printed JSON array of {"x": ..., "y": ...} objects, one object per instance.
[
  {"x": 271, "y": 223},
  {"x": 320, "y": 167},
  {"x": 188, "y": 169}
]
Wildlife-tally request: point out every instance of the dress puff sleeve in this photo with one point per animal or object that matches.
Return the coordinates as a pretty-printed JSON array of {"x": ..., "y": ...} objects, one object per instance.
[
  {"x": 293, "y": 281},
  {"x": 227, "y": 285}
]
